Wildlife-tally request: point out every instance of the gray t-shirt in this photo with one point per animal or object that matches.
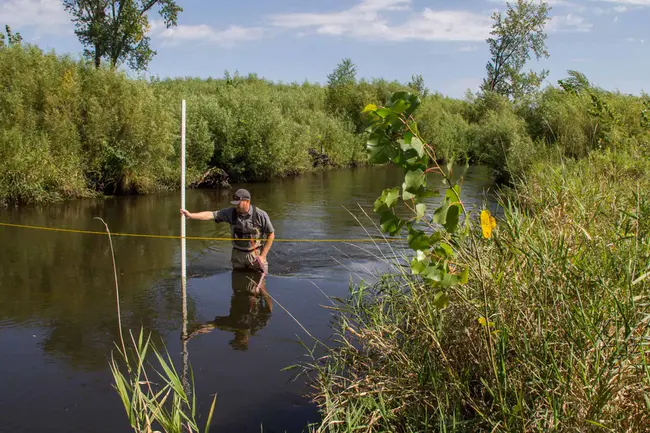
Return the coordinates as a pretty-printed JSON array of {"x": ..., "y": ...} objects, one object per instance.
[{"x": 243, "y": 227}]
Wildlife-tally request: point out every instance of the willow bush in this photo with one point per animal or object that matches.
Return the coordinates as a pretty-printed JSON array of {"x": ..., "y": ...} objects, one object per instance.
[{"x": 70, "y": 130}]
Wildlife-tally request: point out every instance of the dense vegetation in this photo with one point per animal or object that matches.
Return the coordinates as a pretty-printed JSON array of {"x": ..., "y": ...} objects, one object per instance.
[
  {"x": 68, "y": 129},
  {"x": 550, "y": 329}
]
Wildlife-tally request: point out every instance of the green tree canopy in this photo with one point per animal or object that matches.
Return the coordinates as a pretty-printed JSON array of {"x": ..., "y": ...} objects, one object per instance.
[
  {"x": 10, "y": 38},
  {"x": 515, "y": 36},
  {"x": 344, "y": 74},
  {"x": 417, "y": 84},
  {"x": 116, "y": 30}
]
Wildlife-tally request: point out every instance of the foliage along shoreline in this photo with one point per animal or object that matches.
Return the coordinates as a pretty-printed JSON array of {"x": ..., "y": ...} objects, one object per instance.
[{"x": 69, "y": 129}]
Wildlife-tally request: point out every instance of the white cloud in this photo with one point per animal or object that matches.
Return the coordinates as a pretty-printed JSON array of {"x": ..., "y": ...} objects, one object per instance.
[
  {"x": 607, "y": 11},
  {"x": 368, "y": 20},
  {"x": 641, "y": 41},
  {"x": 630, "y": 2},
  {"x": 46, "y": 16},
  {"x": 569, "y": 23},
  {"x": 204, "y": 33},
  {"x": 365, "y": 12},
  {"x": 549, "y": 2}
]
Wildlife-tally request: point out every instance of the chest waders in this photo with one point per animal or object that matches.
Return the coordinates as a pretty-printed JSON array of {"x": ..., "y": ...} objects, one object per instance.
[{"x": 249, "y": 258}]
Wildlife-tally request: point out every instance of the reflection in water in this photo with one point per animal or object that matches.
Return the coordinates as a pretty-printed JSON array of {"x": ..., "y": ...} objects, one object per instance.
[
  {"x": 250, "y": 310},
  {"x": 58, "y": 320}
]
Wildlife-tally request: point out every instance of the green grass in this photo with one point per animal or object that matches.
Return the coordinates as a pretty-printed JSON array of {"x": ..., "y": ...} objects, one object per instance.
[
  {"x": 155, "y": 396},
  {"x": 550, "y": 334}
]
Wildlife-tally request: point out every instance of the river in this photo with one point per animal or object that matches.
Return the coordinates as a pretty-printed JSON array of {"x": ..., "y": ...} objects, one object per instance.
[{"x": 58, "y": 321}]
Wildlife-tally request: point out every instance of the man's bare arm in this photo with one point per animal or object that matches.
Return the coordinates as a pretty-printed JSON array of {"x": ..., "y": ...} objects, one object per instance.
[
  {"x": 203, "y": 216},
  {"x": 267, "y": 245}
]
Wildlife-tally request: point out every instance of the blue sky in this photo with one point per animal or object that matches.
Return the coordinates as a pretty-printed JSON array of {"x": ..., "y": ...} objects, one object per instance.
[{"x": 298, "y": 40}]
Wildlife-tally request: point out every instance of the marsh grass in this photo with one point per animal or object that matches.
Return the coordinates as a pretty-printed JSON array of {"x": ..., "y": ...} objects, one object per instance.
[
  {"x": 550, "y": 334},
  {"x": 155, "y": 396}
]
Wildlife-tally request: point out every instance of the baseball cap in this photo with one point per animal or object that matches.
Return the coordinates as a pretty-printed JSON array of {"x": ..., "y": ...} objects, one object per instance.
[{"x": 240, "y": 194}]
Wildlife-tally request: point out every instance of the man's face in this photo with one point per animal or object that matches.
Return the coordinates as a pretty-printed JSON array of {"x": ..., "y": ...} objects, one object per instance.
[{"x": 243, "y": 206}]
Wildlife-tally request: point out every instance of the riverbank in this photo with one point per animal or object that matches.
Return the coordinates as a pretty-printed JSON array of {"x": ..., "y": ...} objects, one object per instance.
[
  {"x": 550, "y": 333},
  {"x": 68, "y": 130}
]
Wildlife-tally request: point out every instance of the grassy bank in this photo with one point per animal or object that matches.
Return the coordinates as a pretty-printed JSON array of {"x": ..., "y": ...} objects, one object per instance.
[
  {"x": 550, "y": 334},
  {"x": 70, "y": 130}
]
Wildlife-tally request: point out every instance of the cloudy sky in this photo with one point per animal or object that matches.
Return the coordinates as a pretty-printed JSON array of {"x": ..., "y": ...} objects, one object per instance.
[{"x": 297, "y": 40}]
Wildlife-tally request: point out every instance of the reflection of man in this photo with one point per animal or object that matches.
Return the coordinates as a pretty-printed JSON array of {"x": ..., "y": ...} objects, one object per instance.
[
  {"x": 248, "y": 224},
  {"x": 250, "y": 309}
]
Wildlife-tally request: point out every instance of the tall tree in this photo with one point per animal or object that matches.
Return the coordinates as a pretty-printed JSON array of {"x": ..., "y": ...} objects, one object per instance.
[
  {"x": 417, "y": 84},
  {"x": 345, "y": 73},
  {"x": 116, "y": 30},
  {"x": 343, "y": 97},
  {"x": 576, "y": 83},
  {"x": 12, "y": 38},
  {"x": 515, "y": 37}
]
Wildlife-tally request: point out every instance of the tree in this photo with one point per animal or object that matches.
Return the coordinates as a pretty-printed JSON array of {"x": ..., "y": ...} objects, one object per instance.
[
  {"x": 116, "y": 30},
  {"x": 342, "y": 96},
  {"x": 515, "y": 36},
  {"x": 12, "y": 38},
  {"x": 576, "y": 83},
  {"x": 344, "y": 74},
  {"x": 417, "y": 84}
]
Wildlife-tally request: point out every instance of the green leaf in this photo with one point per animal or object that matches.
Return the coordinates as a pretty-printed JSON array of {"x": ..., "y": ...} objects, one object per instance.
[
  {"x": 405, "y": 96},
  {"x": 430, "y": 193},
  {"x": 420, "y": 209},
  {"x": 433, "y": 273},
  {"x": 450, "y": 165},
  {"x": 407, "y": 196},
  {"x": 418, "y": 240},
  {"x": 399, "y": 106},
  {"x": 448, "y": 281},
  {"x": 369, "y": 107},
  {"x": 414, "y": 144},
  {"x": 440, "y": 215},
  {"x": 452, "y": 218},
  {"x": 445, "y": 249},
  {"x": 414, "y": 127},
  {"x": 453, "y": 193},
  {"x": 441, "y": 300},
  {"x": 414, "y": 180},
  {"x": 414, "y": 102},
  {"x": 464, "y": 276},
  {"x": 391, "y": 196},
  {"x": 388, "y": 198},
  {"x": 417, "y": 144},
  {"x": 390, "y": 223},
  {"x": 384, "y": 112},
  {"x": 380, "y": 149},
  {"x": 417, "y": 266},
  {"x": 435, "y": 237}
]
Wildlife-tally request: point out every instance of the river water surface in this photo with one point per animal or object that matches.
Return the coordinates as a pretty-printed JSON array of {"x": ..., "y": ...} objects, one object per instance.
[{"x": 58, "y": 321}]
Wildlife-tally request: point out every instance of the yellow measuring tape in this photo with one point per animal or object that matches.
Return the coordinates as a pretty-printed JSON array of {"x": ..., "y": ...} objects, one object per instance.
[{"x": 195, "y": 238}]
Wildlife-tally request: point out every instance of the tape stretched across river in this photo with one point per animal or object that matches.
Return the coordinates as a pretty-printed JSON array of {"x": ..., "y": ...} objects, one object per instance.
[{"x": 195, "y": 238}]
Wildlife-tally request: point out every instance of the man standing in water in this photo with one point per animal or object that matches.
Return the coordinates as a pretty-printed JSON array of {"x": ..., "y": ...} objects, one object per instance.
[{"x": 247, "y": 225}]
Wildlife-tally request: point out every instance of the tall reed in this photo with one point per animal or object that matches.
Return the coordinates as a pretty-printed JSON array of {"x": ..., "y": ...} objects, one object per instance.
[
  {"x": 550, "y": 334},
  {"x": 154, "y": 395}
]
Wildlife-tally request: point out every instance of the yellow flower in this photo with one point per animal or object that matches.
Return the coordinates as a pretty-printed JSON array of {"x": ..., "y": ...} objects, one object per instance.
[
  {"x": 488, "y": 223},
  {"x": 484, "y": 322}
]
